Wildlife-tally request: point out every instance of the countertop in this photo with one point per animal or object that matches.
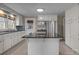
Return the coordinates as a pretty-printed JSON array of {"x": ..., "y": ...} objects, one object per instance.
[
  {"x": 7, "y": 32},
  {"x": 32, "y": 36}
]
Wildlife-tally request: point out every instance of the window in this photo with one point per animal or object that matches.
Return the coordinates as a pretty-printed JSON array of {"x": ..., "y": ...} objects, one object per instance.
[
  {"x": 7, "y": 20},
  {"x": 6, "y": 23},
  {"x": 11, "y": 24},
  {"x": 2, "y": 23}
]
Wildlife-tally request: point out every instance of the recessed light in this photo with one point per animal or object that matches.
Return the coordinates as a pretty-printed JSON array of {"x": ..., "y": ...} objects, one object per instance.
[
  {"x": 11, "y": 15},
  {"x": 40, "y": 10}
]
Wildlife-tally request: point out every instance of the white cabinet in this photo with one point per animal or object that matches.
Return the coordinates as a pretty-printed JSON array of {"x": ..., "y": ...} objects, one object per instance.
[
  {"x": 1, "y": 47},
  {"x": 71, "y": 33},
  {"x": 72, "y": 28},
  {"x": 1, "y": 44},
  {"x": 50, "y": 46},
  {"x": 43, "y": 46},
  {"x": 35, "y": 46},
  {"x": 7, "y": 41},
  {"x": 17, "y": 37},
  {"x": 19, "y": 20},
  {"x": 67, "y": 32},
  {"x": 14, "y": 39}
]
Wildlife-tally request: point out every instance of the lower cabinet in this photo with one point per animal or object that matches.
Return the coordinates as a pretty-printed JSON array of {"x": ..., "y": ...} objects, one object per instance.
[
  {"x": 17, "y": 37},
  {"x": 14, "y": 39},
  {"x": 9, "y": 40},
  {"x": 50, "y": 46},
  {"x": 43, "y": 46},
  {"x": 35, "y": 46},
  {"x": 1, "y": 44}
]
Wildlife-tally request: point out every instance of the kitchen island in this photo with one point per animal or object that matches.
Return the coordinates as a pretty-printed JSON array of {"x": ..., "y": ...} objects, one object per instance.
[{"x": 42, "y": 45}]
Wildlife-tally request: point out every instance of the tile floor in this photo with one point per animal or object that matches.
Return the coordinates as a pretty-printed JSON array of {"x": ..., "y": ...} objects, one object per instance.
[{"x": 21, "y": 49}]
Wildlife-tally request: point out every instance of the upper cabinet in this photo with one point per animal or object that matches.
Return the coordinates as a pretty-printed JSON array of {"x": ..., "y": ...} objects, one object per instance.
[
  {"x": 47, "y": 18},
  {"x": 19, "y": 20}
]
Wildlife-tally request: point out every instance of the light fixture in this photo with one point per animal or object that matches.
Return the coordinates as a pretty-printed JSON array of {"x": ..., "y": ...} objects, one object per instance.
[
  {"x": 40, "y": 10},
  {"x": 12, "y": 16},
  {"x": 2, "y": 13}
]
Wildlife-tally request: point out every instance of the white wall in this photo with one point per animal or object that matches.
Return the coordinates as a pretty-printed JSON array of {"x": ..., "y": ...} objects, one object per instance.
[{"x": 72, "y": 28}]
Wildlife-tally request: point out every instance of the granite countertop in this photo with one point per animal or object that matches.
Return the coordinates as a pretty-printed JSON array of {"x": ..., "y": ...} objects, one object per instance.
[
  {"x": 32, "y": 36},
  {"x": 7, "y": 32}
]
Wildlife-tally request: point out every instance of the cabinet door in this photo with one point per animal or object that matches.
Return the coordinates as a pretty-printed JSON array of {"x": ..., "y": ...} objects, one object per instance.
[
  {"x": 7, "y": 42},
  {"x": 1, "y": 47},
  {"x": 72, "y": 32},
  {"x": 67, "y": 32},
  {"x": 75, "y": 41},
  {"x": 19, "y": 20},
  {"x": 1, "y": 44},
  {"x": 20, "y": 36},
  {"x": 35, "y": 46},
  {"x": 50, "y": 46},
  {"x": 14, "y": 39}
]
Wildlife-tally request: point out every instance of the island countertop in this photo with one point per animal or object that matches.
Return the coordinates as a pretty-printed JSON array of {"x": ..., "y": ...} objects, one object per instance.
[
  {"x": 7, "y": 32},
  {"x": 33, "y": 36}
]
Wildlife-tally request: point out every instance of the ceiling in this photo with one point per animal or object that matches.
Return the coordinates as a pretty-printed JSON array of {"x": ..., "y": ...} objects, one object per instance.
[{"x": 29, "y": 9}]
